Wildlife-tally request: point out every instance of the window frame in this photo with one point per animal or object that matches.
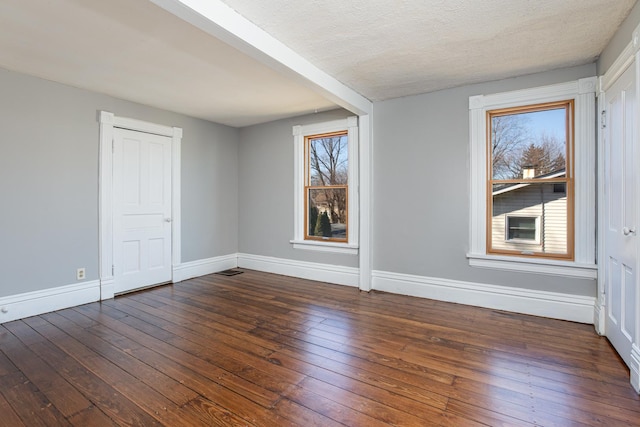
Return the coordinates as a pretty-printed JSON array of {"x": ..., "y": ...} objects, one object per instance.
[
  {"x": 308, "y": 186},
  {"x": 302, "y": 134},
  {"x": 582, "y": 92},
  {"x": 569, "y": 106}
]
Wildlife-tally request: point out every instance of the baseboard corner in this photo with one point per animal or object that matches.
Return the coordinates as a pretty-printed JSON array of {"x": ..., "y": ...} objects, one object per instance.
[{"x": 202, "y": 267}]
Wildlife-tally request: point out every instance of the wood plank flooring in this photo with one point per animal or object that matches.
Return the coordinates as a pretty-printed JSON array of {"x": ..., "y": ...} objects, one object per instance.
[{"x": 258, "y": 349}]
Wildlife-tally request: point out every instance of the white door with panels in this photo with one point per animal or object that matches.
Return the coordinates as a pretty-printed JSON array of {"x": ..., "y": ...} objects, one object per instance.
[
  {"x": 619, "y": 199},
  {"x": 142, "y": 222}
]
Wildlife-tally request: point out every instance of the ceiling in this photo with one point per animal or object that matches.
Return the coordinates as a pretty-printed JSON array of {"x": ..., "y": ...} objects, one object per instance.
[
  {"x": 134, "y": 50},
  {"x": 391, "y": 48}
]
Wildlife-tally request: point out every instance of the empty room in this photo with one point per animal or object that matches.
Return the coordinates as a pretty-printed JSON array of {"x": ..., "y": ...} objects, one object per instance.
[{"x": 319, "y": 213}]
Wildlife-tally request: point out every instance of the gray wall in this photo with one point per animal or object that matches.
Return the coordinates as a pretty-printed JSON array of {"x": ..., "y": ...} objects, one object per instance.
[
  {"x": 49, "y": 182},
  {"x": 266, "y": 191},
  {"x": 233, "y": 179},
  {"x": 421, "y": 186},
  {"x": 619, "y": 41}
]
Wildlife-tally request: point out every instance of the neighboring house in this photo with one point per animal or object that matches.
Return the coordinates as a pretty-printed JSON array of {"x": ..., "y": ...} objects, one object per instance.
[{"x": 531, "y": 217}]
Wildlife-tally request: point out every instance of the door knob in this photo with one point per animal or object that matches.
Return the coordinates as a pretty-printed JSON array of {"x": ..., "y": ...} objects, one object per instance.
[
  {"x": 626, "y": 230},
  {"x": 167, "y": 220}
]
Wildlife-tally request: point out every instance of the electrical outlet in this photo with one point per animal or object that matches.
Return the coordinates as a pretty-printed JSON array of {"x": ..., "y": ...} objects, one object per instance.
[{"x": 80, "y": 274}]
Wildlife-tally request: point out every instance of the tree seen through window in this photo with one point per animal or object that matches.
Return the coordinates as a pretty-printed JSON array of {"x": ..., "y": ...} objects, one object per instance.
[{"x": 327, "y": 186}]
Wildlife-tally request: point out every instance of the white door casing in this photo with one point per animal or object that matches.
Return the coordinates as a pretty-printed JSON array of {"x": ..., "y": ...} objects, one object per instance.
[
  {"x": 619, "y": 201},
  {"x": 141, "y": 210},
  {"x": 109, "y": 126}
]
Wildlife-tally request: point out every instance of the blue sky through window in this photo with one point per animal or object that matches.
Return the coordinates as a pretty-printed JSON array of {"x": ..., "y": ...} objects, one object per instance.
[{"x": 552, "y": 122}]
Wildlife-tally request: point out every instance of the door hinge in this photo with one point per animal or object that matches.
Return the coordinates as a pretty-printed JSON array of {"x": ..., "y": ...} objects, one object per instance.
[
  {"x": 113, "y": 269},
  {"x": 603, "y": 119}
]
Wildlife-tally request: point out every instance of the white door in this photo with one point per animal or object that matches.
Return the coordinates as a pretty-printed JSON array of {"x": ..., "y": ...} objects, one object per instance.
[
  {"x": 620, "y": 216},
  {"x": 141, "y": 210}
]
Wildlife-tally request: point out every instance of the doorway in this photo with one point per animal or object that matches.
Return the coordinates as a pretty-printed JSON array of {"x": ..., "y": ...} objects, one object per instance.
[{"x": 139, "y": 212}]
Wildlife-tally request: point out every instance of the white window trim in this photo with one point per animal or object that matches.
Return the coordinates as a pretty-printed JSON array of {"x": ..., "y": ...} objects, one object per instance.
[
  {"x": 583, "y": 93},
  {"x": 350, "y": 124}
]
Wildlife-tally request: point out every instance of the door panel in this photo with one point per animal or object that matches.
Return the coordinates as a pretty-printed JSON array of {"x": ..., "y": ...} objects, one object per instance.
[
  {"x": 620, "y": 191},
  {"x": 142, "y": 209}
]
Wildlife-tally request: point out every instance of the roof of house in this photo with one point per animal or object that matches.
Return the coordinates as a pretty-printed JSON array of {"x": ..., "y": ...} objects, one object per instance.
[{"x": 516, "y": 186}]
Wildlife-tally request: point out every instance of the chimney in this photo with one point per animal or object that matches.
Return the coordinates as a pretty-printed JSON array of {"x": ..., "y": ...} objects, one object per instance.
[{"x": 528, "y": 172}]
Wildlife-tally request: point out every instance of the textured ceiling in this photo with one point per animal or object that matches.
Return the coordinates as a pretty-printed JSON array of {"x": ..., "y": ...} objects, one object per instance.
[
  {"x": 134, "y": 50},
  {"x": 390, "y": 48}
]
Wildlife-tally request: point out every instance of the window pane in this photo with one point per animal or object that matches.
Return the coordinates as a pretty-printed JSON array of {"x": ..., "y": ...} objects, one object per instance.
[
  {"x": 529, "y": 144},
  {"x": 560, "y": 187},
  {"x": 529, "y": 217},
  {"x": 328, "y": 160},
  {"x": 327, "y": 214},
  {"x": 523, "y": 228}
]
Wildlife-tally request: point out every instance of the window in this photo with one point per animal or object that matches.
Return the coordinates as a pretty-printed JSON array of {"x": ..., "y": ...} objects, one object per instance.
[
  {"x": 326, "y": 174},
  {"x": 529, "y": 153},
  {"x": 326, "y": 187},
  {"x": 532, "y": 180},
  {"x": 522, "y": 229},
  {"x": 560, "y": 188}
]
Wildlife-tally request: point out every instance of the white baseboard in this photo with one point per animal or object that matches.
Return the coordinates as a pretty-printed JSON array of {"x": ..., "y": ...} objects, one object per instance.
[
  {"x": 107, "y": 288},
  {"x": 34, "y": 303},
  {"x": 635, "y": 367},
  {"x": 539, "y": 303},
  {"x": 599, "y": 321},
  {"x": 202, "y": 267},
  {"x": 336, "y": 274}
]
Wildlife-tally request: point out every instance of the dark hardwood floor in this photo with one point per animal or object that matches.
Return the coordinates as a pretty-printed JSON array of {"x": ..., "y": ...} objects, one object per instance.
[{"x": 258, "y": 349}]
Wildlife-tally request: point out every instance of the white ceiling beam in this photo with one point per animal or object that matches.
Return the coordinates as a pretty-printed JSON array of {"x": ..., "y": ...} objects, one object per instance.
[{"x": 219, "y": 20}]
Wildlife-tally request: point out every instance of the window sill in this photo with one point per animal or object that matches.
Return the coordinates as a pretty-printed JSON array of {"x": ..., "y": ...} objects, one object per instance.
[
  {"x": 338, "y": 248},
  {"x": 531, "y": 265}
]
